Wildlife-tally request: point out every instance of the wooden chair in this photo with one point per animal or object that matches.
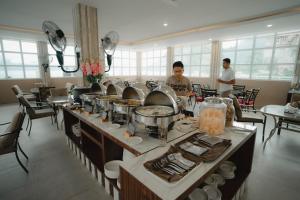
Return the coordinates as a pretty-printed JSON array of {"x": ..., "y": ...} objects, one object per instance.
[
  {"x": 9, "y": 140},
  {"x": 240, "y": 118},
  {"x": 36, "y": 112},
  {"x": 238, "y": 90},
  {"x": 55, "y": 92}
]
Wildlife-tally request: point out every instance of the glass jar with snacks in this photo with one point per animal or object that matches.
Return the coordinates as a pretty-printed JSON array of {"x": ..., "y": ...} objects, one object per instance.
[{"x": 212, "y": 116}]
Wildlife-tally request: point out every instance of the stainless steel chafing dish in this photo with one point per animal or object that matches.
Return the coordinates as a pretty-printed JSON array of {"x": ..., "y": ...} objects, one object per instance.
[
  {"x": 159, "y": 112},
  {"x": 132, "y": 97},
  {"x": 105, "y": 102}
]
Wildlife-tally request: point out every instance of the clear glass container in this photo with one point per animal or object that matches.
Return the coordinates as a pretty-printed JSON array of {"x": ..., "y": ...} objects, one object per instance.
[
  {"x": 230, "y": 112},
  {"x": 212, "y": 115}
]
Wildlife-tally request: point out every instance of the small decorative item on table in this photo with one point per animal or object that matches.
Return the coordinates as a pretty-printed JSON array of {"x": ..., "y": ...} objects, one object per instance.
[
  {"x": 230, "y": 112},
  {"x": 212, "y": 116},
  {"x": 93, "y": 72}
]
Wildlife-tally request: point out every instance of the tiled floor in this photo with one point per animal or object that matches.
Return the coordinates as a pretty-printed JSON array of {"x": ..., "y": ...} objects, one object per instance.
[{"x": 56, "y": 174}]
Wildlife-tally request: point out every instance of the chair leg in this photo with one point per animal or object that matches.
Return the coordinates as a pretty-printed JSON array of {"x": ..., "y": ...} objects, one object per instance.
[
  {"x": 56, "y": 122},
  {"x": 51, "y": 120},
  {"x": 264, "y": 128},
  {"x": 18, "y": 159},
  {"x": 27, "y": 123},
  {"x": 279, "y": 127},
  {"x": 30, "y": 127},
  {"x": 22, "y": 151}
]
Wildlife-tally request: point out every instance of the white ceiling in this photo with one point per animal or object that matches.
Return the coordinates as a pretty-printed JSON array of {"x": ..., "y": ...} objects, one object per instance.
[{"x": 141, "y": 19}]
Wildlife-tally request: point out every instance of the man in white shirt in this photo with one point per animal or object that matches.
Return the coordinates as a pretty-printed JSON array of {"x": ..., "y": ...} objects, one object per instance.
[{"x": 227, "y": 79}]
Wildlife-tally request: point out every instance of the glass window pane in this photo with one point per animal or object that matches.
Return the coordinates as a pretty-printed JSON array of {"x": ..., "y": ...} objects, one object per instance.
[
  {"x": 117, "y": 54},
  {"x": 177, "y": 58},
  {"x": 187, "y": 71},
  {"x": 163, "y": 71},
  {"x": 11, "y": 45},
  {"x": 245, "y": 43},
  {"x": 228, "y": 45},
  {"x": 70, "y": 50},
  {"x": 30, "y": 59},
  {"x": 156, "y": 53},
  {"x": 125, "y": 62},
  {"x": 132, "y": 63},
  {"x": 177, "y": 51},
  {"x": 206, "y": 47},
  {"x": 205, "y": 60},
  {"x": 125, "y": 54},
  {"x": 156, "y": 62},
  {"x": 260, "y": 72},
  {"x": 29, "y": 47},
  {"x": 132, "y": 55},
  {"x": 264, "y": 42},
  {"x": 242, "y": 71},
  {"x": 53, "y": 61},
  {"x": 285, "y": 55},
  {"x": 195, "y": 60},
  {"x": 1, "y": 59},
  {"x": 150, "y": 54},
  {"x": 32, "y": 72},
  {"x": 51, "y": 50},
  {"x": 125, "y": 71},
  {"x": 243, "y": 57},
  {"x": 186, "y": 60},
  {"x": 228, "y": 54},
  {"x": 205, "y": 71},
  {"x": 69, "y": 61},
  {"x": 196, "y": 49},
  {"x": 262, "y": 56},
  {"x": 15, "y": 72},
  {"x": 0, "y": 47},
  {"x": 186, "y": 50},
  {"x": 117, "y": 62},
  {"x": 56, "y": 72},
  {"x": 282, "y": 72},
  {"x": 195, "y": 71},
  {"x": 2, "y": 72},
  {"x": 13, "y": 59}
]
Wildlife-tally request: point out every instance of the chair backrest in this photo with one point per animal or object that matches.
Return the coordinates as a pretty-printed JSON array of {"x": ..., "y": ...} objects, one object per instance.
[
  {"x": 237, "y": 107},
  {"x": 9, "y": 142},
  {"x": 208, "y": 92},
  {"x": 16, "y": 89},
  {"x": 58, "y": 92},
  {"x": 239, "y": 87},
  {"x": 25, "y": 103},
  {"x": 253, "y": 94},
  {"x": 197, "y": 89}
]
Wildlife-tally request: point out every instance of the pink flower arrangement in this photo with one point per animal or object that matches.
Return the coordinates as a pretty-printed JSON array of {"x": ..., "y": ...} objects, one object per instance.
[{"x": 92, "y": 70}]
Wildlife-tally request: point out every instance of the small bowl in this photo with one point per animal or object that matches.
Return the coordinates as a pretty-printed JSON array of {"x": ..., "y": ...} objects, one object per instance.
[
  {"x": 112, "y": 169},
  {"x": 198, "y": 194}
]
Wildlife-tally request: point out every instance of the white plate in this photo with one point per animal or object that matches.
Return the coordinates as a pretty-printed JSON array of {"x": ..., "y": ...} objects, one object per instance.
[
  {"x": 213, "y": 192},
  {"x": 110, "y": 126},
  {"x": 112, "y": 169},
  {"x": 215, "y": 179},
  {"x": 135, "y": 140},
  {"x": 198, "y": 194}
]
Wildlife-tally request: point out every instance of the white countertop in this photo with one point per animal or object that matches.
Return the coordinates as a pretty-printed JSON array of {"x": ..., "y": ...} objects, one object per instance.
[
  {"x": 171, "y": 191},
  {"x": 148, "y": 144}
]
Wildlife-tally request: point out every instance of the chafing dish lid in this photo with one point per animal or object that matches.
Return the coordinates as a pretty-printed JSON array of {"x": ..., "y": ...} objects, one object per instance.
[{"x": 154, "y": 111}]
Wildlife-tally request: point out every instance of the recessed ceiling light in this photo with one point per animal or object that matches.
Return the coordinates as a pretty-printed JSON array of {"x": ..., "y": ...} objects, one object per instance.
[
  {"x": 269, "y": 25},
  {"x": 165, "y": 24},
  {"x": 210, "y": 39}
]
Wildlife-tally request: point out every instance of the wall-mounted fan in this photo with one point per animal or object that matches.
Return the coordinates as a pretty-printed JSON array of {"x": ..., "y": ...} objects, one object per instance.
[
  {"x": 109, "y": 44},
  {"x": 58, "y": 42}
]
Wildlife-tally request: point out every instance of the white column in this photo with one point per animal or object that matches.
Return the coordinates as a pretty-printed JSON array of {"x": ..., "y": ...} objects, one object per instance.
[
  {"x": 215, "y": 63},
  {"x": 170, "y": 56},
  {"x": 139, "y": 66},
  {"x": 42, "y": 49}
]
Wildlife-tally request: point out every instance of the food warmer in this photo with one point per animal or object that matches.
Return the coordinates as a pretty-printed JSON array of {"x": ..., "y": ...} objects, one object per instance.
[
  {"x": 159, "y": 112},
  {"x": 105, "y": 103},
  {"x": 132, "y": 97}
]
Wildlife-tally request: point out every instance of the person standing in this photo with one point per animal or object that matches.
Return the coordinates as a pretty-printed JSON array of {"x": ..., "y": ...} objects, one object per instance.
[
  {"x": 227, "y": 79},
  {"x": 180, "y": 84}
]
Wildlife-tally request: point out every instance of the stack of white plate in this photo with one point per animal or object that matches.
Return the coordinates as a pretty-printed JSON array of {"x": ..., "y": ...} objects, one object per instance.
[
  {"x": 198, "y": 194},
  {"x": 227, "y": 169},
  {"x": 208, "y": 192},
  {"x": 112, "y": 169}
]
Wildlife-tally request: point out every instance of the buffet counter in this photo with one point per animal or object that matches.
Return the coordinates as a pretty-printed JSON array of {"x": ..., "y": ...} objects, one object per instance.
[{"x": 99, "y": 142}]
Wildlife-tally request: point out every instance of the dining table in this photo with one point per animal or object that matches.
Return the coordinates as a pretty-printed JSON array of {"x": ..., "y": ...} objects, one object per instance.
[{"x": 278, "y": 113}]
